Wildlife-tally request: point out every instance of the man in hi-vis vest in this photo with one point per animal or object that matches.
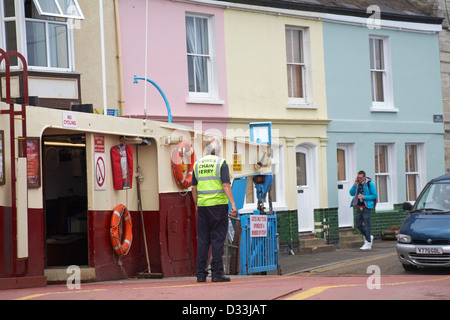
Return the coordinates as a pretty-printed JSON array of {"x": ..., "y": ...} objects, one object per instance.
[{"x": 211, "y": 191}]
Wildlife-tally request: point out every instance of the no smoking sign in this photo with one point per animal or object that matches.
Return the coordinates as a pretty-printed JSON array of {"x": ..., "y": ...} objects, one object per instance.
[
  {"x": 99, "y": 163},
  {"x": 100, "y": 172}
]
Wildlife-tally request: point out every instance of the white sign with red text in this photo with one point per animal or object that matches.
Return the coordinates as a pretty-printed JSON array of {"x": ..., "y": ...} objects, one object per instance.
[
  {"x": 258, "y": 226},
  {"x": 100, "y": 162},
  {"x": 69, "y": 120}
]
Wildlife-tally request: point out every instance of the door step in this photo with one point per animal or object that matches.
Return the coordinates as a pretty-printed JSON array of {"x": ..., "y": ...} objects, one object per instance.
[
  {"x": 61, "y": 274},
  {"x": 314, "y": 245},
  {"x": 348, "y": 239}
]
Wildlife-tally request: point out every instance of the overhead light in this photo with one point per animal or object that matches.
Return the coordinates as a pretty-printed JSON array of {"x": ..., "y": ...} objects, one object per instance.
[{"x": 64, "y": 144}]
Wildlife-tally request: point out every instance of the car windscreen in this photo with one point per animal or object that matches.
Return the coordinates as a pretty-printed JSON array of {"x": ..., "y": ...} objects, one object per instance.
[{"x": 435, "y": 198}]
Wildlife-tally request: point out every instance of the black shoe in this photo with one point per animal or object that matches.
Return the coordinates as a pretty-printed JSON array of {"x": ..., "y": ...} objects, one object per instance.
[
  {"x": 201, "y": 279},
  {"x": 221, "y": 278}
]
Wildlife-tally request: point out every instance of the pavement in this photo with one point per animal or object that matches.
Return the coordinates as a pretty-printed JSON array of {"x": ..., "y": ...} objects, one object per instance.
[{"x": 305, "y": 263}]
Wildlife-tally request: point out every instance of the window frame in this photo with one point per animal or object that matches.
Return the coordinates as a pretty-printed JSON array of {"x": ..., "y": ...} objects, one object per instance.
[
  {"x": 14, "y": 62},
  {"x": 307, "y": 99},
  {"x": 47, "y": 38},
  {"x": 211, "y": 96},
  {"x": 41, "y": 12},
  {"x": 388, "y": 104},
  {"x": 21, "y": 36},
  {"x": 389, "y": 174},
  {"x": 419, "y": 173}
]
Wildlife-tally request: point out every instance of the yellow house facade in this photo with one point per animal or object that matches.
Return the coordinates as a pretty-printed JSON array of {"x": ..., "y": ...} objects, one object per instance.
[{"x": 276, "y": 73}]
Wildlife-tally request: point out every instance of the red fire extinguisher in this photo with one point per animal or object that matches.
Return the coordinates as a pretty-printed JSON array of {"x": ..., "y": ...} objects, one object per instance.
[{"x": 122, "y": 165}]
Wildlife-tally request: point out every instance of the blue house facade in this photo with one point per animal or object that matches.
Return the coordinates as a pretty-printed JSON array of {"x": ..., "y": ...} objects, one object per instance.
[{"x": 385, "y": 105}]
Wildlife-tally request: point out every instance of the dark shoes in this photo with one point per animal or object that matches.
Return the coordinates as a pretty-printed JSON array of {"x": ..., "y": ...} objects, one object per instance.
[{"x": 221, "y": 278}]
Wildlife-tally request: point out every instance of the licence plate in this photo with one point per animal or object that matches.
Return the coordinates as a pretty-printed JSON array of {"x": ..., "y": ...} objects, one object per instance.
[{"x": 428, "y": 250}]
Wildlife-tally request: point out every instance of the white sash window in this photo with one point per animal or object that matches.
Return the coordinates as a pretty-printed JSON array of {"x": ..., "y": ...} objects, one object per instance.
[{"x": 42, "y": 31}]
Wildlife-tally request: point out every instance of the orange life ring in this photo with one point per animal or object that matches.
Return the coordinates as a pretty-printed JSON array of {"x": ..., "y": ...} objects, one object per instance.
[
  {"x": 121, "y": 238},
  {"x": 183, "y": 148}
]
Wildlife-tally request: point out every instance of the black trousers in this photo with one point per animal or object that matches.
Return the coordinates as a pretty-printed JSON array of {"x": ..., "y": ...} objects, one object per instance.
[{"x": 212, "y": 226}]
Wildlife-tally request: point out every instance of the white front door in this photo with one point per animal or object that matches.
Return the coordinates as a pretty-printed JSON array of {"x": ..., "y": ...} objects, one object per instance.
[
  {"x": 306, "y": 187},
  {"x": 346, "y": 176}
]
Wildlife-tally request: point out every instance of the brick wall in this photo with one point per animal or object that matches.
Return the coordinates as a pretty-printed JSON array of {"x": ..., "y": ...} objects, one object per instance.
[
  {"x": 288, "y": 225},
  {"x": 327, "y": 220},
  {"x": 383, "y": 220}
]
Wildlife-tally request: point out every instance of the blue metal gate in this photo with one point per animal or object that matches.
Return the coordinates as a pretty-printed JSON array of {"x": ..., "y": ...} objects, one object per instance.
[{"x": 258, "y": 254}]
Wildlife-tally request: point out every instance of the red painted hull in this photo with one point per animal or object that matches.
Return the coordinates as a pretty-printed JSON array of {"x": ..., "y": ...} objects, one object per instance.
[
  {"x": 171, "y": 240},
  {"x": 24, "y": 273}
]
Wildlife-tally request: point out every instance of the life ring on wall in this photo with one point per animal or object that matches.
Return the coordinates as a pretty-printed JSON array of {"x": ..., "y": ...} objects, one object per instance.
[
  {"x": 184, "y": 148},
  {"x": 121, "y": 234}
]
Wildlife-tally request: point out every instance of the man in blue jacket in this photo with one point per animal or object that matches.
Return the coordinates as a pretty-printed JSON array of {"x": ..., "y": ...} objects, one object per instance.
[{"x": 364, "y": 194}]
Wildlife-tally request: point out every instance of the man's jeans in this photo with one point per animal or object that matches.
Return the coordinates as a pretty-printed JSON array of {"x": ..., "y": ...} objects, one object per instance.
[{"x": 362, "y": 221}]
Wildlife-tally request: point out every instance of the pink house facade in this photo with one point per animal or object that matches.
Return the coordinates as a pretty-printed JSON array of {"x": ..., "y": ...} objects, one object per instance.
[{"x": 185, "y": 49}]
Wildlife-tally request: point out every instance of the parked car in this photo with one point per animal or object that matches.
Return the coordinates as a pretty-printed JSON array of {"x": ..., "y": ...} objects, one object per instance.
[{"x": 424, "y": 237}]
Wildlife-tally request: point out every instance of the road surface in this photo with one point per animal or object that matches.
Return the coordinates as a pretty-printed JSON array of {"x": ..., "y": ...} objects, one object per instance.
[
  {"x": 339, "y": 281},
  {"x": 363, "y": 276}
]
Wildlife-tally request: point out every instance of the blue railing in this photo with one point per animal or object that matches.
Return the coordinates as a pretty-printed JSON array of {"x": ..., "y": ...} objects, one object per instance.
[
  {"x": 258, "y": 254},
  {"x": 169, "y": 112}
]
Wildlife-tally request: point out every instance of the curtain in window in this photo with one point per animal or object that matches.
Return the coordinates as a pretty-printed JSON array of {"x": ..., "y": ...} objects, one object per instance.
[
  {"x": 381, "y": 172},
  {"x": 377, "y": 67},
  {"x": 295, "y": 62},
  {"x": 36, "y": 44},
  {"x": 411, "y": 168},
  {"x": 198, "y": 53}
]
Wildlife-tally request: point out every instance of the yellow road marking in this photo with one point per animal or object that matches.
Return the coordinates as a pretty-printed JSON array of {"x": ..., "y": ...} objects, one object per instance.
[
  {"x": 152, "y": 286},
  {"x": 351, "y": 263},
  {"x": 61, "y": 292},
  {"x": 317, "y": 290},
  {"x": 300, "y": 296}
]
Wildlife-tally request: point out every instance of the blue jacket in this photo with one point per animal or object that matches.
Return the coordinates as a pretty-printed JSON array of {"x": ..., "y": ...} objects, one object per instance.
[{"x": 370, "y": 193}]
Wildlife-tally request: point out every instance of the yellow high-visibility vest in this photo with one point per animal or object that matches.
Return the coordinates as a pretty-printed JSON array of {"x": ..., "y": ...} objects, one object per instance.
[{"x": 209, "y": 188}]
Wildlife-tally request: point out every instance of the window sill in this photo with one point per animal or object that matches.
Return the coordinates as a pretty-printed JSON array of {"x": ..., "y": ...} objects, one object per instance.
[
  {"x": 384, "y": 109},
  {"x": 304, "y": 106},
  {"x": 205, "y": 101},
  {"x": 384, "y": 207}
]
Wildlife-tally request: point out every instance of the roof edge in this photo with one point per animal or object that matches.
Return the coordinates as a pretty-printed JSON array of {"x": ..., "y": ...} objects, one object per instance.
[{"x": 338, "y": 11}]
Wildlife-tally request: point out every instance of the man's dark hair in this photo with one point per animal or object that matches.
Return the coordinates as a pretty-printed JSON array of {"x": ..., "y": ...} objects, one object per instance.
[{"x": 362, "y": 172}]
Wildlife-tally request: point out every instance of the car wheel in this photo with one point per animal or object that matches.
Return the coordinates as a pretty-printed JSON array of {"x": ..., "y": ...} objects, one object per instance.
[{"x": 409, "y": 267}]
